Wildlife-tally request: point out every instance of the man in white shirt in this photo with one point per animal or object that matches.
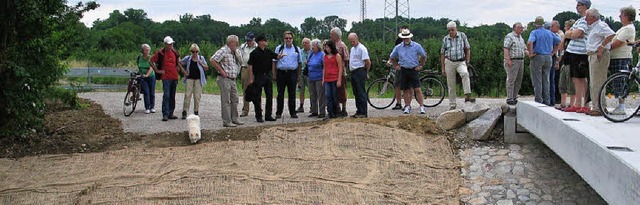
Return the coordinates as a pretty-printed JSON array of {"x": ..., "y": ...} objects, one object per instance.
[
  {"x": 600, "y": 35},
  {"x": 359, "y": 65},
  {"x": 245, "y": 49}
]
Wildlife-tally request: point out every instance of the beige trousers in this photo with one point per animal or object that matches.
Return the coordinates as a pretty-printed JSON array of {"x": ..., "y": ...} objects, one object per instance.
[
  {"x": 450, "y": 69},
  {"x": 597, "y": 75},
  {"x": 244, "y": 79},
  {"x": 193, "y": 87}
]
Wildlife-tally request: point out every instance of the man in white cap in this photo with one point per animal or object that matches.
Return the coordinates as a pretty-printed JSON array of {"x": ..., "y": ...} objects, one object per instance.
[
  {"x": 455, "y": 55},
  {"x": 409, "y": 57},
  {"x": 167, "y": 61}
]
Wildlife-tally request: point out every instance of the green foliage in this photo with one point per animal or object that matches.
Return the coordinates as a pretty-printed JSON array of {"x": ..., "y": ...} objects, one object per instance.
[
  {"x": 68, "y": 98},
  {"x": 31, "y": 46}
]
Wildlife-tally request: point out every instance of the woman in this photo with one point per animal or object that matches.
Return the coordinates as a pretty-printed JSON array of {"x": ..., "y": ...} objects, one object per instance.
[
  {"x": 330, "y": 77},
  {"x": 565, "y": 85},
  {"x": 316, "y": 89},
  {"x": 195, "y": 65},
  {"x": 148, "y": 81}
]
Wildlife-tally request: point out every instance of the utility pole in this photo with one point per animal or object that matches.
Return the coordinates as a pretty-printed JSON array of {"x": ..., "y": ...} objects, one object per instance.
[
  {"x": 396, "y": 14},
  {"x": 363, "y": 10}
]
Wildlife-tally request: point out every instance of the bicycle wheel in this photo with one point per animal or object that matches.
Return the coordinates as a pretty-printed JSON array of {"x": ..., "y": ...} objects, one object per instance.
[
  {"x": 619, "y": 97},
  {"x": 433, "y": 91},
  {"x": 381, "y": 93},
  {"x": 128, "y": 103}
]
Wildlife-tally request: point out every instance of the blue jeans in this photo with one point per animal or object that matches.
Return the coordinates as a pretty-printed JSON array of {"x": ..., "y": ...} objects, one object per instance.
[
  {"x": 149, "y": 91},
  {"x": 168, "y": 97},
  {"x": 331, "y": 94},
  {"x": 358, "y": 81}
]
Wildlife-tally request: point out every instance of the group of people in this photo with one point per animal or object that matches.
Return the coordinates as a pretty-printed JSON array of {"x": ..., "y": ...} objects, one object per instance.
[
  {"x": 320, "y": 65},
  {"x": 570, "y": 63}
]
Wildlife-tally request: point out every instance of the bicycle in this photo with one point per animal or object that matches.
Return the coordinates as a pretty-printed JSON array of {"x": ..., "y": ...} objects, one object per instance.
[
  {"x": 381, "y": 89},
  {"x": 133, "y": 93},
  {"x": 619, "y": 96}
]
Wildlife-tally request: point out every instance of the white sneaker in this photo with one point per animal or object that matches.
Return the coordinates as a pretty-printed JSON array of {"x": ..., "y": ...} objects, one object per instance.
[
  {"x": 153, "y": 110},
  {"x": 407, "y": 109},
  {"x": 147, "y": 111},
  {"x": 620, "y": 110},
  {"x": 422, "y": 110}
]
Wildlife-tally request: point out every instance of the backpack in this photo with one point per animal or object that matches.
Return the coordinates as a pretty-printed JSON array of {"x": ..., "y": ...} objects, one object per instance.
[
  {"x": 161, "y": 59},
  {"x": 282, "y": 46}
]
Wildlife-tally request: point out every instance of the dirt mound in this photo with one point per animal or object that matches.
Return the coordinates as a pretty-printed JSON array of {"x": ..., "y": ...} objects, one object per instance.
[{"x": 336, "y": 163}]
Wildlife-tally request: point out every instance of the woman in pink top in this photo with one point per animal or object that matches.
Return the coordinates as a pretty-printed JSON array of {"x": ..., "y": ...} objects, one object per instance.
[{"x": 333, "y": 66}]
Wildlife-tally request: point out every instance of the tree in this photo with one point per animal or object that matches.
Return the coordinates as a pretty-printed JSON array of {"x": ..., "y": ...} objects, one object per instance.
[{"x": 29, "y": 61}]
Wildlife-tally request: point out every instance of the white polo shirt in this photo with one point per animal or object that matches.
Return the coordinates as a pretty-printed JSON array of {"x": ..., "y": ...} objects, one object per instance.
[{"x": 358, "y": 55}]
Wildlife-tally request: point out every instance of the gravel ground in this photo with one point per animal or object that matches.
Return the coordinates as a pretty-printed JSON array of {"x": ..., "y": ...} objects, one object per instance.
[
  {"x": 210, "y": 116},
  {"x": 493, "y": 173}
]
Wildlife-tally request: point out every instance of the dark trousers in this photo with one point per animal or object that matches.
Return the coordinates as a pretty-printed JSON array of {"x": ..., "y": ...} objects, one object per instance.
[
  {"x": 168, "y": 97},
  {"x": 260, "y": 83},
  {"x": 286, "y": 79},
  {"x": 148, "y": 85},
  {"x": 331, "y": 95},
  {"x": 358, "y": 81}
]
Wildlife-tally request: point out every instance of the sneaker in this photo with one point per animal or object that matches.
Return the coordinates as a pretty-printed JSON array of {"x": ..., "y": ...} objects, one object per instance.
[
  {"x": 452, "y": 107},
  {"x": 184, "y": 114},
  {"x": 237, "y": 122},
  {"x": 620, "y": 110},
  {"x": 300, "y": 109},
  {"x": 397, "y": 107},
  {"x": 407, "y": 109},
  {"x": 229, "y": 125},
  {"x": 153, "y": 110},
  {"x": 560, "y": 106},
  {"x": 422, "y": 110},
  {"x": 594, "y": 113},
  {"x": 147, "y": 111}
]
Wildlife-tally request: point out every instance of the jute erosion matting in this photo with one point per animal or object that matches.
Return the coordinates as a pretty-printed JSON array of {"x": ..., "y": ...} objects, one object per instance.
[{"x": 345, "y": 163}]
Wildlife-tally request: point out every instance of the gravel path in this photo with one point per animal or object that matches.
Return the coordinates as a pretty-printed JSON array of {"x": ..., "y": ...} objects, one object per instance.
[{"x": 493, "y": 173}]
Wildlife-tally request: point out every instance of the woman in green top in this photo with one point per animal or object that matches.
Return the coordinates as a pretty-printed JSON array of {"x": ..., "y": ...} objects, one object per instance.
[{"x": 148, "y": 81}]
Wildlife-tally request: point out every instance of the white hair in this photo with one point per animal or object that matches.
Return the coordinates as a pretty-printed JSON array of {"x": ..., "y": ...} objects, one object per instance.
[
  {"x": 145, "y": 46},
  {"x": 231, "y": 38},
  {"x": 306, "y": 39},
  {"x": 451, "y": 24},
  {"x": 317, "y": 42},
  {"x": 593, "y": 13},
  {"x": 194, "y": 47},
  {"x": 337, "y": 31}
]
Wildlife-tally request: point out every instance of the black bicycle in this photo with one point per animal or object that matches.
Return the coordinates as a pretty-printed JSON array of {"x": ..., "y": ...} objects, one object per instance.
[
  {"x": 133, "y": 93},
  {"x": 619, "y": 96},
  {"x": 381, "y": 91}
]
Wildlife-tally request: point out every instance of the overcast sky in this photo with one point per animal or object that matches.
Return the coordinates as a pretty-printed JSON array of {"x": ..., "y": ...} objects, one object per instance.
[{"x": 237, "y": 12}]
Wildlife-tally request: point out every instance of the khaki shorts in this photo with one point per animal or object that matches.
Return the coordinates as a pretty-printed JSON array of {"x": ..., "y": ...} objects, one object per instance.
[{"x": 565, "y": 85}]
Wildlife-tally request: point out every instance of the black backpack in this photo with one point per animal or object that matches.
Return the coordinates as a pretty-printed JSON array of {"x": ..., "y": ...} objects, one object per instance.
[{"x": 161, "y": 59}]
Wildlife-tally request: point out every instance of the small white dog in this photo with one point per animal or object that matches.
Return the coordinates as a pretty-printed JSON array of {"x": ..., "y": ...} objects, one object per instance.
[{"x": 193, "y": 123}]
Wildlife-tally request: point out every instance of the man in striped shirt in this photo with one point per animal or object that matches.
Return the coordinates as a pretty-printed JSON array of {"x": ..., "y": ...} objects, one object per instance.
[{"x": 455, "y": 54}]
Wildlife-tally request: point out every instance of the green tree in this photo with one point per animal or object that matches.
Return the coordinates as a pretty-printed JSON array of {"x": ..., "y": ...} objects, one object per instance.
[{"x": 29, "y": 61}]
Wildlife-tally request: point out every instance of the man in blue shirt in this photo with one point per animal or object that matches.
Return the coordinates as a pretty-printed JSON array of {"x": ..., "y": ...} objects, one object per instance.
[
  {"x": 541, "y": 44},
  {"x": 409, "y": 57},
  {"x": 286, "y": 71}
]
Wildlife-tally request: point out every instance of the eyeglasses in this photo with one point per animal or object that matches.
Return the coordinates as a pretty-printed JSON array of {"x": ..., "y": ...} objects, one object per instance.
[
  {"x": 194, "y": 51},
  {"x": 579, "y": 4},
  {"x": 287, "y": 38}
]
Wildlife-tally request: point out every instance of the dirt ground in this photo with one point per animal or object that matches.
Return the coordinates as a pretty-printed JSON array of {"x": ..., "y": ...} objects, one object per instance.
[{"x": 89, "y": 129}]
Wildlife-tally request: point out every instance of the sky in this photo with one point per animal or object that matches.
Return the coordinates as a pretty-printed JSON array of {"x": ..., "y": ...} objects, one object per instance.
[{"x": 237, "y": 12}]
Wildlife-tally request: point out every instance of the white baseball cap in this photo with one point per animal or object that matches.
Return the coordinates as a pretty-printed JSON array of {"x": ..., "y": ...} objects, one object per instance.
[{"x": 168, "y": 40}]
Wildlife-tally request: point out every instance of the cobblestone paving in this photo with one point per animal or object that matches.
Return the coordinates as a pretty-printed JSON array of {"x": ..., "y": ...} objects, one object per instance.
[{"x": 528, "y": 174}]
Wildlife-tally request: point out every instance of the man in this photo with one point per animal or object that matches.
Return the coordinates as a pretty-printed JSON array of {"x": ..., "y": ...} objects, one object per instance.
[
  {"x": 304, "y": 77},
  {"x": 397, "y": 91},
  {"x": 455, "y": 55},
  {"x": 260, "y": 65},
  {"x": 336, "y": 36},
  {"x": 167, "y": 60},
  {"x": 286, "y": 71},
  {"x": 598, "y": 45},
  {"x": 541, "y": 44},
  {"x": 409, "y": 58},
  {"x": 621, "y": 56},
  {"x": 577, "y": 56},
  {"x": 359, "y": 64},
  {"x": 555, "y": 64},
  {"x": 245, "y": 50},
  {"x": 226, "y": 62},
  {"x": 514, "y": 52}
]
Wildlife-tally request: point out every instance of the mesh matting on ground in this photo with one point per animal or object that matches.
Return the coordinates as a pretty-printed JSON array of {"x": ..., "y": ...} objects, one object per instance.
[{"x": 336, "y": 163}]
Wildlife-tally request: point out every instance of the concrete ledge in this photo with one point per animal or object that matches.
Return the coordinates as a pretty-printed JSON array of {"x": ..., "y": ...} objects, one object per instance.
[
  {"x": 606, "y": 155},
  {"x": 514, "y": 133}
]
